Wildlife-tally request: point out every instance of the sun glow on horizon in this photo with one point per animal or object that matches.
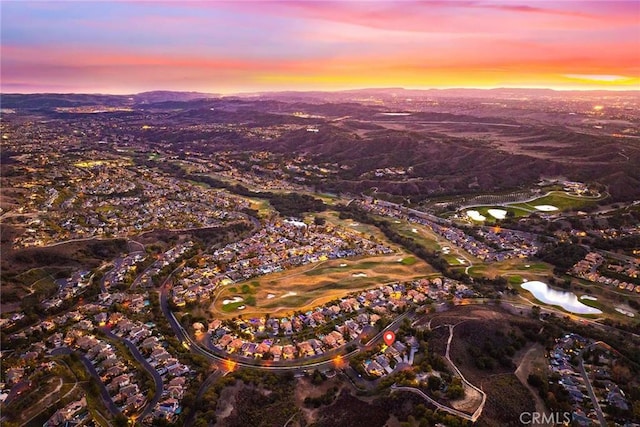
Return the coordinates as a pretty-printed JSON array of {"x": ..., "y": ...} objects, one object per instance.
[{"x": 232, "y": 47}]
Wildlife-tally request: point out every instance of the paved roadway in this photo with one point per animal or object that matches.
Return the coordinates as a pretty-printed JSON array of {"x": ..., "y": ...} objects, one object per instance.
[
  {"x": 157, "y": 379},
  {"x": 208, "y": 382},
  {"x": 295, "y": 365},
  {"x": 587, "y": 381},
  {"x": 108, "y": 402}
]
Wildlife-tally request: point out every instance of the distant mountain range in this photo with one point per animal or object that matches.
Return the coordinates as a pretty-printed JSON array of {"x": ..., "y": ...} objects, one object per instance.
[
  {"x": 58, "y": 100},
  {"x": 61, "y": 100}
]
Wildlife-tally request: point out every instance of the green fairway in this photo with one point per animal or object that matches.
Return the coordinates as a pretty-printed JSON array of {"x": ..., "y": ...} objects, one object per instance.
[
  {"x": 409, "y": 260},
  {"x": 304, "y": 287},
  {"x": 560, "y": 200},
  {"x": 517, "y": 212}
]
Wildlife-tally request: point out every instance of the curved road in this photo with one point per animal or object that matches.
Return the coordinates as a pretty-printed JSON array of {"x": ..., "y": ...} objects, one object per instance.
[
  {"x": 157, "y": 379},
  {"x": 301, "y": 365},
  {"x": 208, "y": 382},
  {"x": 108, "y": 402}
]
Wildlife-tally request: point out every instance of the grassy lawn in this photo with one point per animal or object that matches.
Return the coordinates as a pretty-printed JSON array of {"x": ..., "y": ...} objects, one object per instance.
[
  {"x": 433, "y": 242},
  {"x": 232, "y": 306},
  {"x": 366, "y": 230},
  {"x": 262, "y": 206},
  {"x": 453, "y": 260},
  {"x": 409, "y": 260},
  {"x": 560, "y": 200},
  {"x": 519, "y": 268},
  {"x": 421, "y": 234},
  {"x": 515, "y": 280}
]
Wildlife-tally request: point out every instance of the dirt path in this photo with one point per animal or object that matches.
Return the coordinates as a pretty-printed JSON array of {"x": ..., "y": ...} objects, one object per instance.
[{"x": 528, "y": 364}]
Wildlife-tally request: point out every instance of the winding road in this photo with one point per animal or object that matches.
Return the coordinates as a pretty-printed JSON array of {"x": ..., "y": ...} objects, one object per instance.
[
  {"x": 157, "y": 379},
  {"x": 106, "y": 398}
]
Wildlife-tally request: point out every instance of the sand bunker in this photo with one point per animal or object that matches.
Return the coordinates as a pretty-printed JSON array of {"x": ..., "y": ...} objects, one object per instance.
[
  {"x": 497, "y": 213},
  {"x": 343, "y": 265},
  {"x": 475, "y": 215},
  {"x": 270, "y": 296},
  {"x": 546, "y": 208},
  {"x": 589, "y": 297},
  {"x": 359, "y": 275},
  {"x": 625, "y": 312},
  {"x": 289, "y": 294},
  {"x": 232, "y": 300}
]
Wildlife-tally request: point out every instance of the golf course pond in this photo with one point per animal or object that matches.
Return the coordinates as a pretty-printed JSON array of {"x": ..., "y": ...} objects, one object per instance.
[{"x": 567, "y": 300}]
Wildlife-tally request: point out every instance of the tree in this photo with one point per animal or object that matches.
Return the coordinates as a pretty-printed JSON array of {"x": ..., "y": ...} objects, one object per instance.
[
  {"x": 535, "y": 380},
  {"x": 434, "y": 382},
  {"x": 535, "y": 311}
]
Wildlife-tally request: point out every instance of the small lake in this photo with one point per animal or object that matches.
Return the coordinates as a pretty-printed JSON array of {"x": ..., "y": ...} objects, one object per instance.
[{"x": 567, "y": 300}]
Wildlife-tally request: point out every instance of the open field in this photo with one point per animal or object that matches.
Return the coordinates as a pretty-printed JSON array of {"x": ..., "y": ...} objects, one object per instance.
[
  {"x": 513, "y": 268},
  {"x": 479, "y": 328},
  {"x": 262, "y": 206},
  {"x": 308, "y": 286}
]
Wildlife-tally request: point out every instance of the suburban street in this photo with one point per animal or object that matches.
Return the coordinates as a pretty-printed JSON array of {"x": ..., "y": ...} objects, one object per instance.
[
  {"x": 157, "y": 379},
  {"x": 106, "y": 398}
]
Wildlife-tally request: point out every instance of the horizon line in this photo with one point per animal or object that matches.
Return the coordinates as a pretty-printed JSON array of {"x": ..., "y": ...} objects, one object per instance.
[{"x": 302, "y": 91}]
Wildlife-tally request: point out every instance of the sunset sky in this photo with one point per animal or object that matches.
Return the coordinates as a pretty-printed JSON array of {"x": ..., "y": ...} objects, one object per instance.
[{"x": 244, "y": 46}]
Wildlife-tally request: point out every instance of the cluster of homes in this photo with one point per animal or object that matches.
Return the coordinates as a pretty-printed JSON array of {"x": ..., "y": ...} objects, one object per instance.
[
  {"x": 384, "y": 362},
  {"x": 279, "y": 245},
  {"x": 124, "y": 267},
  {"x": 588, "y": 269},
  {"x": 565, "y": 358},
  {"x": 68, "y": 288},
  {"x": 119, "y": 201},
  {"x": 152, "y": 345},
  {"x": 277, "y": 337},
  {"x": 511, "y": 243},
  {"x": 74, "y": 329},
  {"x": 165, "y": 259},
  {"x": 105, "y": 183},
  {"x": 47, "y": 326},
  {"x": 134, "y": 303},
  {"x": 118, "y": 376},
  {"x": 73, "y": 414}
]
